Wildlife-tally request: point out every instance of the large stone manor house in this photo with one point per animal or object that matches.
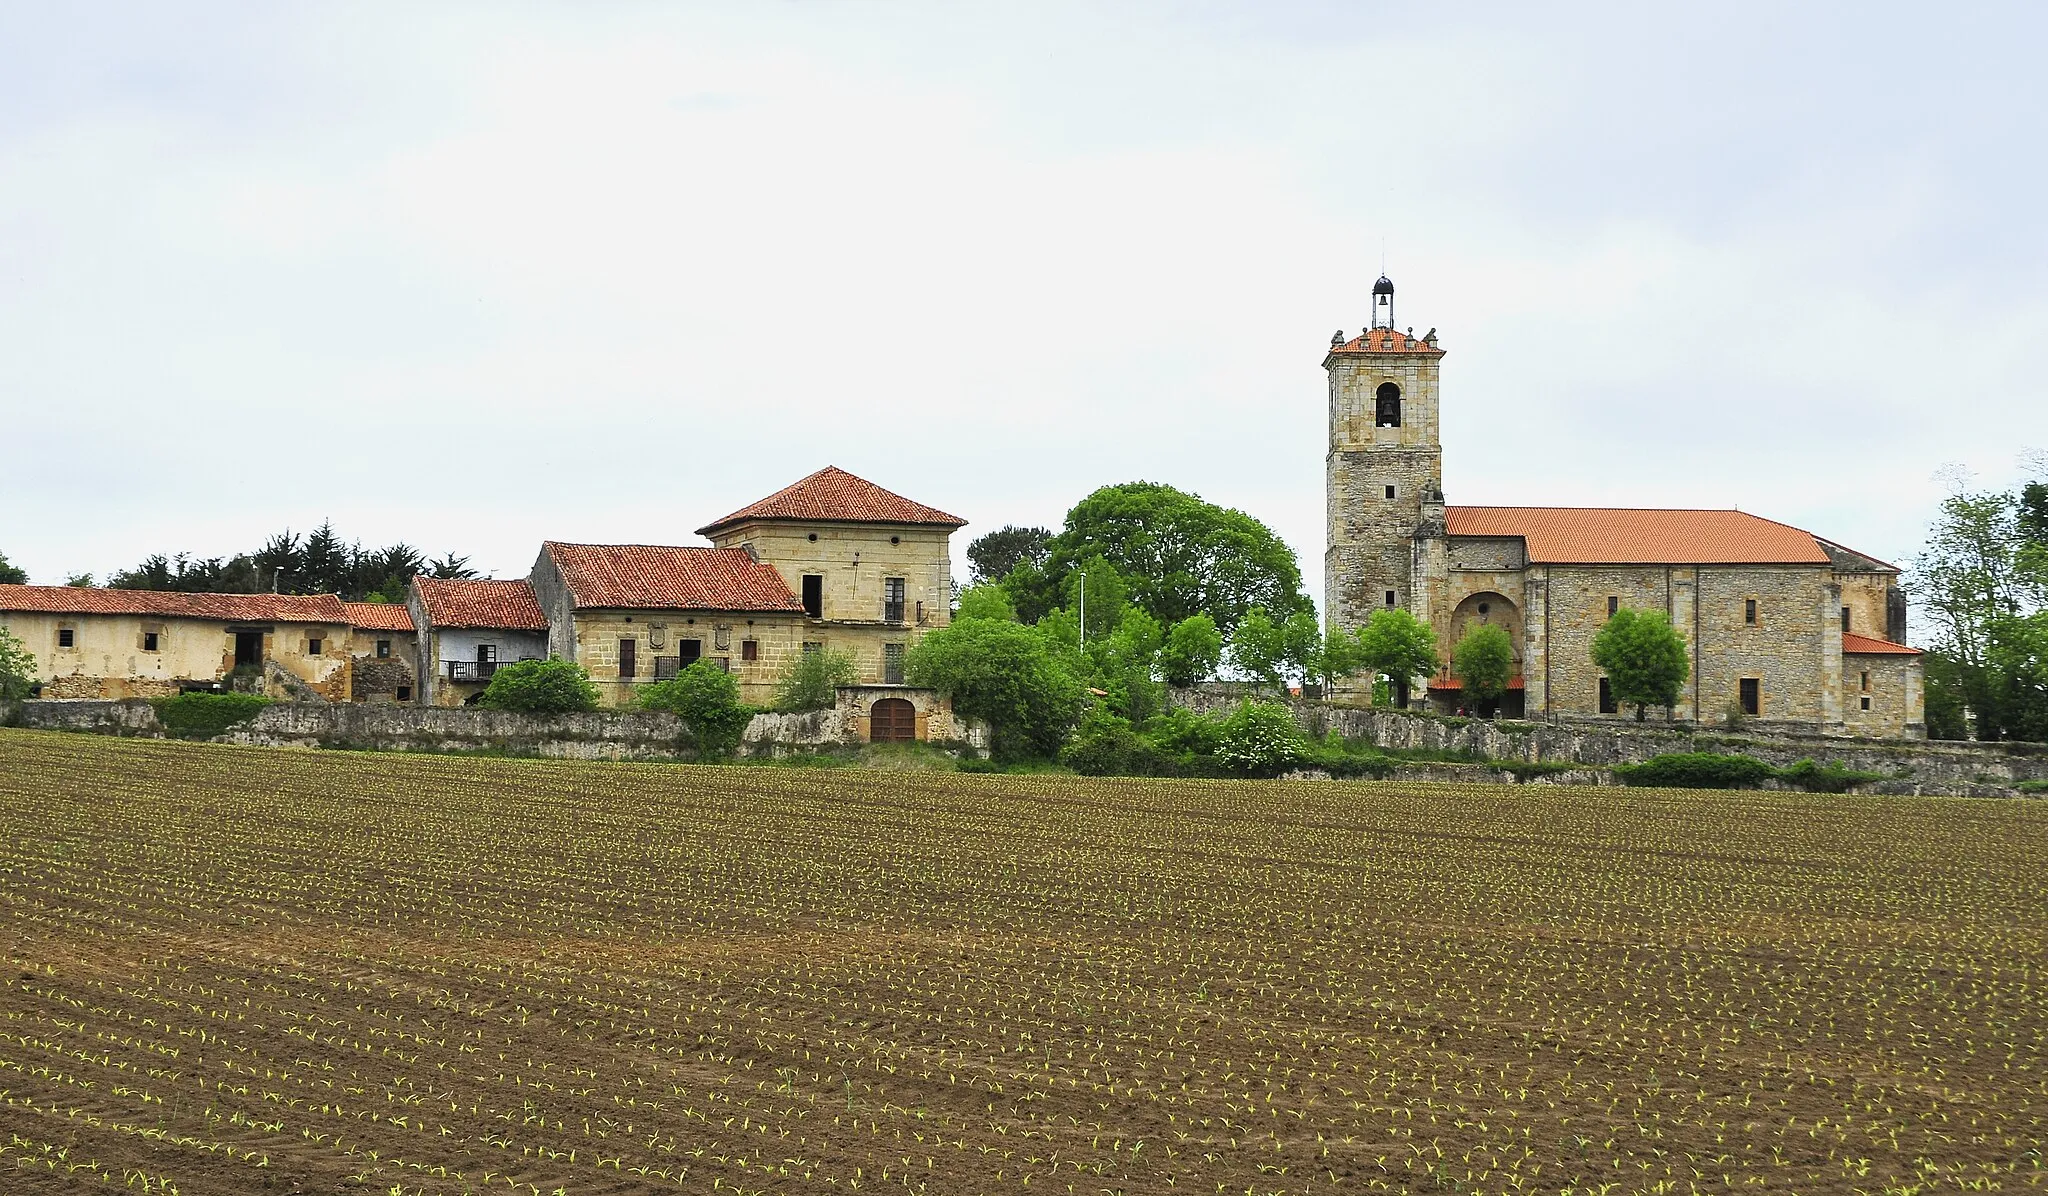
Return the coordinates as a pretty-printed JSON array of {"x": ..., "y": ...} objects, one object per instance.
[{"x": 1783, "y": 626}]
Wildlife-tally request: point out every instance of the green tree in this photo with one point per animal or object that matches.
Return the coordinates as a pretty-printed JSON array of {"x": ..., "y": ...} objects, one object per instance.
[
  {"x": 1007, "y": 675},
  {"x": 1193, "y": 649},
  {"x": 553, "y": 686},
  {"x": 811, "y": 680},
  {"x": 1181, "y": 557},
  {"x": 985, "y": 602},
  {"x": 997, "y": 554},
  {"x": 1484, "y": 663},
  {"x": 17, "y": 666},
  {"x": 1983, "y": 572},
  {"x": 707, "y": 699},
  {"x": 1644, "y": 658},
  {"x": 81, "y": 581},
  {"x": 1259, "y": 647},
  {"x": 1398, "y": 644},
  {"x": 10, "y": 573}
]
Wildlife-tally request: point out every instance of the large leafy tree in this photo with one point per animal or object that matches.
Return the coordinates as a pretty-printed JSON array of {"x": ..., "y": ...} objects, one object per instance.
[
  {"x": 1484, "y": 663},
  {"x": 1398, "y": 644},
  {"x": 1006, "y": 674},
  {"x": 1644, "y": 658},
  {"x": 1180, "y": 555},
  {"x": 1981, "y": 582},
  {"x": 10, "y": 573},
  {"x": 1193, "y": 649},
  {"x": 995, "y": 555}
]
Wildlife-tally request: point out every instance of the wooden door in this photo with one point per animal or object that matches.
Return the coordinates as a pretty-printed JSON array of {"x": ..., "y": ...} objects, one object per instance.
[
  {"x": 892, "y": 720},
  {"x": 629, "y": 665}
]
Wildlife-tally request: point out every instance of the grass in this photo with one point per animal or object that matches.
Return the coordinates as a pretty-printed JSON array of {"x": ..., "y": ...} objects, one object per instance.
[{"x": 233, "y": 969}]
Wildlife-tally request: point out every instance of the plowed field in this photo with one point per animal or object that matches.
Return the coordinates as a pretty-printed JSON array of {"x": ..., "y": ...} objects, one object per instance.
[{"x": 242, "y": 970}]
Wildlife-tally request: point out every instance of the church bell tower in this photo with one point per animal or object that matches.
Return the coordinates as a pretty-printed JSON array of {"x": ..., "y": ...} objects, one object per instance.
[{"x": 1384, "y": 471}]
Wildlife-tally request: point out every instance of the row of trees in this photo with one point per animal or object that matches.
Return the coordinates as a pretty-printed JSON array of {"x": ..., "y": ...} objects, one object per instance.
[{"x": 318, "y": 562}]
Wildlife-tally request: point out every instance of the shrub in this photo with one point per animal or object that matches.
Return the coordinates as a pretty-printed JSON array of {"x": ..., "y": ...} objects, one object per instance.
[
  {"x": 1830, "y": 779},
  {"x": 203, "y": 716},
  {"x": 707, "y": 699},
  {"x": 1697, "y": 770},
  {"x": 1261, "y": 740},
  {"x": 2032, "y": 786},
  {"x": 540, "y": 687},
  {"x": 1523, "y": 770},
  {"x": 17, "y": 665},
  {"x": 1107, "y": 746},
  {"x": 1341, "y": 758},
  {"x": 812, "y": 681}
]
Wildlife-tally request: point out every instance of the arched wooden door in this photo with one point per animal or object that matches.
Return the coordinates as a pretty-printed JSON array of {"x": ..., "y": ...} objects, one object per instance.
[{"x": 892, "y": 720}]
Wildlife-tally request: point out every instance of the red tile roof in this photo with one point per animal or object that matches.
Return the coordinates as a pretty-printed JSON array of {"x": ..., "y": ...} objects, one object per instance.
[
  {"x": 1385, "y": 340},
  {"x": 833, "y": 495},
  {"x": 225, "y": 608},
  {"x": 1611, "y": 536},
  {"x": 1863, "y": 645},
  {"x": 499, "y": 605},
  {"x": 1446, "y": 681},
  {"x": 378, "y": 616},
  {"x": 656, "y": 577}
]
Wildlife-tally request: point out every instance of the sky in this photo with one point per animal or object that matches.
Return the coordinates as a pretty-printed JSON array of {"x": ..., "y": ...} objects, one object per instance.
[{"x": 475, "y": 277}]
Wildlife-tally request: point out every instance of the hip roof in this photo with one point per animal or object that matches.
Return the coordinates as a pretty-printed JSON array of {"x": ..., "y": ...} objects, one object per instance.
[{"x": 833, "y": 495}]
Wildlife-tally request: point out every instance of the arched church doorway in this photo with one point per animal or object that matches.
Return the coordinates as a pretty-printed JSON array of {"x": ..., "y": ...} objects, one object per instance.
[{"x": 1488, "y": 608}]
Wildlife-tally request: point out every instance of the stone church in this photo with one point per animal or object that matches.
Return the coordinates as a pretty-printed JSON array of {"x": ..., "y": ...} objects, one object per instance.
[{"x": 1788, "y": 629}]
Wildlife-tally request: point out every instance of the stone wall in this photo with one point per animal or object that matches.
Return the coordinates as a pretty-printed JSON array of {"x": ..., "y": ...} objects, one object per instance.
[
  {"x": 601, "y": 735},
  {"x": 1920, "y": 766}
]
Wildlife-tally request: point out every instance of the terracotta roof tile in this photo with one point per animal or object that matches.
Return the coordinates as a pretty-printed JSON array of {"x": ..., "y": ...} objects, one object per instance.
[
  {"x": 833, "y": 495},
  {"x": 1863, "y": 645},
  {"x": 1613, "y": 536},
  {"x": 501, "y": 605},
  {"x": 657, "y": 577},
  {"x": 378, "y": 616},
  {"x": 226, "y": 608},
  {"x": 1385, "y": 340}
]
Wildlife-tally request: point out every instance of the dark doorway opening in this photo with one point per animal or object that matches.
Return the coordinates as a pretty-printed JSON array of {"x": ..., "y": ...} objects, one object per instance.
[
  {"x": 892, "y": 720},
  {"x": 248, "y": 650},
  {"x": 689, "y": 651},
  {"x": 814, "y": 595}
]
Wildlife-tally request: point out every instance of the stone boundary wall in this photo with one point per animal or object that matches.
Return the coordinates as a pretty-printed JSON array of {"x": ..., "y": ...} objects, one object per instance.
[
  {"x": 601, "y": 735},
  {"x": 1926, "y": 766}
]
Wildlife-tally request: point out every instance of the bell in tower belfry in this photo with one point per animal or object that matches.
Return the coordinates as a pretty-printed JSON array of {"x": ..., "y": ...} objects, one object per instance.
[{"x": 1383, "y": 303}]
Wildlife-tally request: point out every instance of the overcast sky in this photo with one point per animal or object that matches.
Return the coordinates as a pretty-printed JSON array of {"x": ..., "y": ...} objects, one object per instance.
[{"x": 475, "y": 277}]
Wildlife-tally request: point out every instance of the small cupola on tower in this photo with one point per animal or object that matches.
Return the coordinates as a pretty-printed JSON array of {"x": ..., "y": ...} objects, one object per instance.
[{"x": 1383, "y": 303}]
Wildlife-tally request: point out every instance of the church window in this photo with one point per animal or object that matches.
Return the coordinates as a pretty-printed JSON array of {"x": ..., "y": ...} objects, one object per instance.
[
  {"x": 1749, "y": 611},
  {"x": 1607, "y": 703},
  {"x": 1749, "y": 690},
  {"x": 1866, "y": 701},
  {"x": 1866, "y": 682},
  {"x": 1387, "y": 406},
  {"x": 1845, "y": 618},
  {"x": 1613, "y": 605},
  {"x": 1390, "y": 492},
  {"x": 1390, "y": 598}
]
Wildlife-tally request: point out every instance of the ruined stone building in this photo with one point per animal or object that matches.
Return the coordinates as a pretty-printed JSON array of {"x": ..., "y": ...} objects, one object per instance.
[
  {"x": 94, "y": 643},
  {"x": 1782, "y": 626}
]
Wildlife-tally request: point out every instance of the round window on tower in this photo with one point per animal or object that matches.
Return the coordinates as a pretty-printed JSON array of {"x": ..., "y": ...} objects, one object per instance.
[{"x": 1482, "y": 608}]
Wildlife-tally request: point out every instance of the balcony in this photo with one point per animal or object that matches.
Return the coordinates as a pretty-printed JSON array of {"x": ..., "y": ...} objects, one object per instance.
[
  {"x": 666, "y": 667},
  {"x": 476, "y": 670},
  {"x": 892, "y": 613}
]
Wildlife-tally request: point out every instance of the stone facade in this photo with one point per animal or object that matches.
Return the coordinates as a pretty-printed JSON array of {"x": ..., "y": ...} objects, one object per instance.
[
  {"x": 1767, "y": 612},
  {"x": 114, "y": 656}
]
